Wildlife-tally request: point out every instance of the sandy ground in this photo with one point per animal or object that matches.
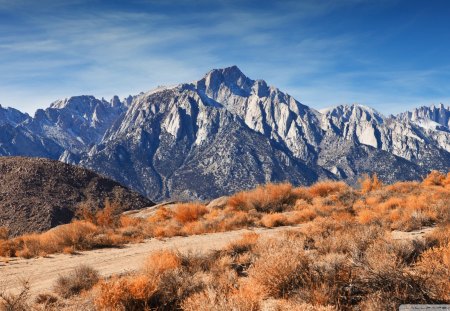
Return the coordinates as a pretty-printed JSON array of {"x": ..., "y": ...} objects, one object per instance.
[
  {"x": 42, "y": 272},
  {"x": 411, "y": 235}
]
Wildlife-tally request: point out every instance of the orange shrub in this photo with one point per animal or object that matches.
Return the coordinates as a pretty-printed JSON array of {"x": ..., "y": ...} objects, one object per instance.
[
  {"x": 244, "y": 244},
  {"x": 390, "y": 204},
  {"x": 78, "y": 234},
  {"x": 372, "y": 200},
  {"x": 240, "y": 201},
  {"x": 403, "y": 187},
  {"x": 446, "y": 181},
  {"x": 132, "y": 293},
  {"x": 4, "y": 233},
  {"x": 8, "y": 248},
  {"x": 161, "y": 214},
  {"x": 395, "y": 215},
  {"x": 30, "y": 246},
  {"x": 85, "y": 212},
  {"x": 188, "y": 212},
  {"x": 161, "y": 261},
  {"x": 439, "y": 236},
  {"x": 166, "y": 231},
  {"x": 435, "y": 178},
  {"x": 274, "y": 220},
  {"x": 105, "y": 217},
  {"x": 325, "y": 188},
  {"x": 304, "y": 215},
  {"x": 194, "y": 227},
  {"x": 343, "y": 217},
  {"x": 368, "y": 183},
  {"x": 264, "y": 198},
  {"x": 280, "y": 267},
  {"x": 434, "y": 266},
  {"x": 302, "y": 193},
  {"x": 237, "y": 219},
  {"x": 302, "y": 204},
  {"x": 127, "y": 221},
  {"x": 367, "y": 216}
]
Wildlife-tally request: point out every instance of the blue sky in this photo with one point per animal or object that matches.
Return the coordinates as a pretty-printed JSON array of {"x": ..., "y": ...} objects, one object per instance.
[{"x": 391, "y": 55}]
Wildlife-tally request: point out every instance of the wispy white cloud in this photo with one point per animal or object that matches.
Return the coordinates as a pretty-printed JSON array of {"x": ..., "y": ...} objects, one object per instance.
[{"x": 59, "y": 52}]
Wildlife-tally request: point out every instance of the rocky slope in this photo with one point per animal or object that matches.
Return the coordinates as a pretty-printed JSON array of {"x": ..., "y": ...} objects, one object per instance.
[
  {"x": 38, "y": 194},
  {"x": 227, "y": 132}
]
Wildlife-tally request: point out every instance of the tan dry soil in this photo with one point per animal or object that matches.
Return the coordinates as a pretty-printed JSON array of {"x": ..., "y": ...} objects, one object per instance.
[{"x": 43, "y": 272}]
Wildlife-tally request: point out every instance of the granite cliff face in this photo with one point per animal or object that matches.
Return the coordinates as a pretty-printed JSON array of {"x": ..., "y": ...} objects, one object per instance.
[{"x": 227, "y": 132}]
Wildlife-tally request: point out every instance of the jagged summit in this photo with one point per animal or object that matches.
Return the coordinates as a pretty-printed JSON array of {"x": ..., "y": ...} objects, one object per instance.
[
  {"x": 74, "y": 102},
  {"x": 231, "y": 78},
  {"x": 353, "y": 112},
  {"x": 12, "y": 116},
  {"x": 429, "y": 116},
  {"x": 227, "y": 132},
  {"x": 231, "y": 73}
]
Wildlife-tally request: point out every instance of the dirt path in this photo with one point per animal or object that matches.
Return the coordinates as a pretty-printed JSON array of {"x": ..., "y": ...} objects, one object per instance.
[
  {"x": 411, "y": 235},
  {"x": 42, "y": 272}
]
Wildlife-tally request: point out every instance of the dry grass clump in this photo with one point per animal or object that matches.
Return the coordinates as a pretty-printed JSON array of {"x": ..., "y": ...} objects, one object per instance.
[
  {"x": 370, "y": 183},
  {"x": 162, "y": 261},
  {"x": 243, "y": 245},
  {"x": 96, "y": 231},
  {"x": 434, "y": 270},
  {"x": 78, "y": 235},
  {"x": 325, "y": 188},
  {"x": 440, "y": 236},
  {"x": 274, "y": 220},
  {"x": 125, "y": 293},
  {"x": 280, "y": 266},
  {"x": 342, "y": 258},
  {"x": 165, "y": 281},
  {"x": 189, "y": 212},
  {"x": 15, "y": 301},
  {"x": 435, "y": 178},
  {"x": 323, "y": 266},
  {"x": 46, "y": 299},
  {"x": 264, "y": 198},
  {"x": 81, "y": 279},
  {"x": 4, "y": 233}
]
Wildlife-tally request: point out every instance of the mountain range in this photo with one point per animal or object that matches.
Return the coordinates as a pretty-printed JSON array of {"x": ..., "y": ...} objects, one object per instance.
[{"x": 225, "y": 133}]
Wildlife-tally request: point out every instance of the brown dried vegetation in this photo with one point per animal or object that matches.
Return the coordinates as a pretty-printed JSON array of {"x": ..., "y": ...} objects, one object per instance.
[
  {"x": 323, "y": 266},
  {"x": 401, "y": 206},
  {"x": 342, "y": 258}
]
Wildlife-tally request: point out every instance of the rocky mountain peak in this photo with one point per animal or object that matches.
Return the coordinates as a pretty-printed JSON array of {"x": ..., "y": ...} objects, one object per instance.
[
  {"x": 115, "y": 101},
  {"x": 354, "y": 112},
  {"x": 81, "y": 103},
  {"x": 226, "y": 132},
  {"x": 429, "y": 117},
  {"x": 12, "y": 116},
  {"x": 230, "y": 74},
  {"x": 231, "y": 78}
]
